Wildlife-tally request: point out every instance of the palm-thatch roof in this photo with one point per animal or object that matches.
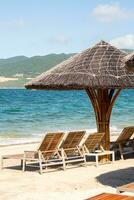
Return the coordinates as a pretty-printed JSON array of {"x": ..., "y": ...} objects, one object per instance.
[{"x": 102, "y": 66}]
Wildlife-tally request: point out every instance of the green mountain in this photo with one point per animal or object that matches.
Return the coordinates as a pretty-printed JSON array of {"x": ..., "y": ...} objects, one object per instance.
[
  {"x": 21, "y": 69},
  {"x": 16, "y": 71},
  {"x": 128, "y": 50}
]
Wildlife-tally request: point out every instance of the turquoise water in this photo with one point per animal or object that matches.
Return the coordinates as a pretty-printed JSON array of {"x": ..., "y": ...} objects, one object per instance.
[{"x": 25, "y": 115}]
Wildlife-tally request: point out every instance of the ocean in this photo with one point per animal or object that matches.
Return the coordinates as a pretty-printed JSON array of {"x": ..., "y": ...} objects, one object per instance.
[{"x": 25, "y": 115}]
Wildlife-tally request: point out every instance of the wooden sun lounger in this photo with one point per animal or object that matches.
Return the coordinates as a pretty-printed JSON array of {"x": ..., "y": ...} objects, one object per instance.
[
  {"x": 126, "y": 188},
  {"x": 93, "y": 147},
  {"x": 107, "y": 196},
  {"x": 70, "y": 148},
  {"x": 47, "y": 153},
  {"x": 122, "y": 141}
]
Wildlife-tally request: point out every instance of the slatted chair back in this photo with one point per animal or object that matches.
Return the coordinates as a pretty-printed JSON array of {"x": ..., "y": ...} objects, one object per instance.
[
  {"x": 126, "y": 134},
  {"x": 93, "y": 141},
  {"x": 73, "y": 139},
  {"x": 50, "y": 143},
  {"x": 71, "y": 142}
]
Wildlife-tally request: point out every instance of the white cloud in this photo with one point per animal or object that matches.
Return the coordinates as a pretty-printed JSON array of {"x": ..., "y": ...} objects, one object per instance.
[
  {"x": 111, "y": 12},
  {"x": 16, "y": 23},
  {"x": 61, "y": 39},
  {"x": 126, "y": 41}
]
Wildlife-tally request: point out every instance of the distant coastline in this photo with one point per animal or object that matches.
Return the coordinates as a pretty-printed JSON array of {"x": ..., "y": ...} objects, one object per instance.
[
  {"x": 17, "y": 71},
  {"x": 14, "y": 88}
]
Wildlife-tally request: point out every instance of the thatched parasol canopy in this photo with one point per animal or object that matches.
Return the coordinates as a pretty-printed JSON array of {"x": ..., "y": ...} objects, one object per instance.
[
  {"x": 102, "y": 71},
  {"x": 102, "y": 66}
]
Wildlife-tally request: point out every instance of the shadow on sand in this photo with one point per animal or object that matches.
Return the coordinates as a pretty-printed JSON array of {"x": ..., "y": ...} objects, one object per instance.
[{"x": 117, "y": 178}]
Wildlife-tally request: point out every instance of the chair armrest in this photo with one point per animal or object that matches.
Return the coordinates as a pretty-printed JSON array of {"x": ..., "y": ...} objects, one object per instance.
[
  {"x": 67, "y": 149},
  {"x": 49, "y": 151},
  {"x": 30, "y": 154}
]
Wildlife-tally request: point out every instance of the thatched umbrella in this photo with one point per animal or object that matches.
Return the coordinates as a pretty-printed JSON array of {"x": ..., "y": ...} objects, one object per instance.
[{"x": 103, "y": 71}]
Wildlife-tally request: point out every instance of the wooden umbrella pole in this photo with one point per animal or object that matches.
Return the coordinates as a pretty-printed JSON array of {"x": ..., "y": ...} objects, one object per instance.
[{"x": 103, "y": 101}]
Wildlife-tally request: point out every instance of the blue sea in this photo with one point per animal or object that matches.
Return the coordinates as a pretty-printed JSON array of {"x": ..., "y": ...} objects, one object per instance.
[{"x": 25, "y": 115}]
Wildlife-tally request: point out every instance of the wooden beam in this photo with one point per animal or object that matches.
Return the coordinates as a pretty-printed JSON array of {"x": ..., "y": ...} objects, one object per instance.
[{"x": 112, "y": 102}]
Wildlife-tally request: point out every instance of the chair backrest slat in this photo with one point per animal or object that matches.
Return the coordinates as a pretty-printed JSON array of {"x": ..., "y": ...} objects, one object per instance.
[
  {"x": 93, "y": 140},
  {"x": 73, "y": 139},
  {"x": 126, "y": 134},
  {"x": 51, "y": 141}
]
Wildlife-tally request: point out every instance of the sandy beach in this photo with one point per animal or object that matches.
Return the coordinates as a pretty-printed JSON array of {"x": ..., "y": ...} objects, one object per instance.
[
  {"x": 74, "y": 183},
  {"x": 66, "y": 100}
]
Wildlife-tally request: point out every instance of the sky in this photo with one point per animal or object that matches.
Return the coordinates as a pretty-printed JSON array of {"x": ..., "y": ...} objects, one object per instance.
[{"x": 40, "y": 27}]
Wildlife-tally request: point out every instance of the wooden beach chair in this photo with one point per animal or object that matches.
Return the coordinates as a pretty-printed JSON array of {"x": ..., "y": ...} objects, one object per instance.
[
  {"x": 69, "y": 149},
  {"x": 126, "y": 188},
  {"x": 124, "y": 144},
  {"x": 92, "y": 147},
  {"x": 107, "y": 196},
  {"x": 47, "y": 153}
]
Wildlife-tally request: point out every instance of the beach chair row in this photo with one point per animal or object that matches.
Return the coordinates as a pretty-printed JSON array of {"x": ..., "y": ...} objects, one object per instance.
[{"x": 56, "y": 149}]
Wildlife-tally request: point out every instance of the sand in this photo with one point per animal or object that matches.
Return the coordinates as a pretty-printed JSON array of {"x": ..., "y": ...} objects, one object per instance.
[
  {"x": 5, "y": 79},
  {"x": 74, "y": 183}
]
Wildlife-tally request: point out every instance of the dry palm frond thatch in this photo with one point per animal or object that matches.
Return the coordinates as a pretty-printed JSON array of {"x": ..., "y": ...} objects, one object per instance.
[{"x": 102, "y": 66}]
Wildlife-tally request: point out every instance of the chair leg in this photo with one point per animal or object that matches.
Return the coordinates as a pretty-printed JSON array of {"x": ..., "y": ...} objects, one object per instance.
[
  {"x": 113, "y": 156},
  {"x": 63, "y": 159},
  {"x": 40, "y": 162},
  {"x": 121, "y": 151},
  {"x": 23, "y": 164},
  {"x": 82, "y": 153},
  {"x": 85, "y": 161},
  {"x": 64, "y": 165},
  {"x": 1, "y": 163},
  {"x": 40, "y": 167},
  {"x": 97, "y": 160}
]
